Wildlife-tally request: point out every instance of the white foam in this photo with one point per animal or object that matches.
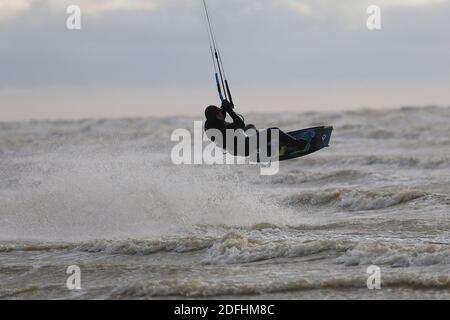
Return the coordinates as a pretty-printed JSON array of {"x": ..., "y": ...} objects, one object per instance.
[{"x": 78, "y": 194}]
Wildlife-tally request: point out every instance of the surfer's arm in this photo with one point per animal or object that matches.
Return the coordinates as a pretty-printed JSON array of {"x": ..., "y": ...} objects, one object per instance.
[{"x": 237, "y": 121}]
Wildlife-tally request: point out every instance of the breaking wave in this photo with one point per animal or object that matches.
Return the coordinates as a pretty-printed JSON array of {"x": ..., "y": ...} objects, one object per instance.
[
  {"x": 376, "y": 160},
  {"x": 235, "y": 249},
  {"x": 396, "y": 255},
  {"x": 402, "y": 161},
  {"x": 145, "y": 247},
  {"x": 296, "y": 177},
  {"x": 193, "y": 288},
  {"x": 120, "y": 247},
  {"x": 355, "y": 200}
]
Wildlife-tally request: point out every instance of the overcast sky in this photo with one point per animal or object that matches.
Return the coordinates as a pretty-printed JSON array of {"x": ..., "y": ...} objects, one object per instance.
[{"x": 151, "y": 57}]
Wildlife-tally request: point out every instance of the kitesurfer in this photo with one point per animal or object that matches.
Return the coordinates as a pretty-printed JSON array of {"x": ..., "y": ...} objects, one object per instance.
[{"x": 215, "y": 119}]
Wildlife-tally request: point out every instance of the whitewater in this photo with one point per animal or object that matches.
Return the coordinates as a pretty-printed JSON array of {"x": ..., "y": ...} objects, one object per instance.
[{"x": 103, "y": 194}]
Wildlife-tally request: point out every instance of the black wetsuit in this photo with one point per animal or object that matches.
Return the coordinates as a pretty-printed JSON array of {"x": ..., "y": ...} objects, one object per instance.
[
  {"x": 222, "y": 126},
  {"x": 238, "y": 123}
]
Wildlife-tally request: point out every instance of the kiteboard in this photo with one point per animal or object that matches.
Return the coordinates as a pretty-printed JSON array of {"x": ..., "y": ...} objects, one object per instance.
[{"x": 321, "y": 140}]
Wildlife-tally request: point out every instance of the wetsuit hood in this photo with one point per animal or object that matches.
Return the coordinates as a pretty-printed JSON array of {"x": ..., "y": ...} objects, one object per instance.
[{"x": 211, "y": 113}]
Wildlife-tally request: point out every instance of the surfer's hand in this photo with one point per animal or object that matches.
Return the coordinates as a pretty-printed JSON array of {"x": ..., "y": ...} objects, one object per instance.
[{"x": 226, "y": 105}]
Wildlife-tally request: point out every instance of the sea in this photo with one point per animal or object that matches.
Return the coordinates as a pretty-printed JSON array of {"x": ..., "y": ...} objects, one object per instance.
[{"x": 97, "y": 209}]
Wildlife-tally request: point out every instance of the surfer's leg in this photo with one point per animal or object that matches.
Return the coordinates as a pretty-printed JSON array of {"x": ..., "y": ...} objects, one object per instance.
[{"x": 250, "y": 126}]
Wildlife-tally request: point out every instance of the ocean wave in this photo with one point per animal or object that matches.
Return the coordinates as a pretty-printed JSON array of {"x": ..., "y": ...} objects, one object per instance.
[
  {"x": 145, "y": 247},
  {"x": 402, "y": 161},
  {"x": 425, "y": 133},
  {"x": 296, "y": 177},
  {"x": 6, "y": 247},
  {"x": 125, "y": 247},
  {"x": 363, "y": 162},
  {"x": 197, "y": 288},
  {"x": 235, "y": 248},
  {"x": 355, "y": 200},
  {"x": 396, "y": 255}
]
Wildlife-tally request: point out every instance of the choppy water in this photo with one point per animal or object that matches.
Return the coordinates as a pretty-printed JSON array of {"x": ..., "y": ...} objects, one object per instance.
[{"x": 103, "y": 195}]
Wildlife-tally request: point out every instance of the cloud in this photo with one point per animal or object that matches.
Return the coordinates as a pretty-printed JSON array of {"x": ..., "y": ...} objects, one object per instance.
[
  {"x": 348, "y": 6},
  {"x": 348, "y": 13},
  {"x": 319, "y": 9},
  {"x": 103, "y": 6},
  {"x": 308, "y": 6},
  {"x": 10, "y": 9},
  {"x": 264, "y": 43},
  {"x": 410, "y": 3},
  {"x": 298, "y": 6}
]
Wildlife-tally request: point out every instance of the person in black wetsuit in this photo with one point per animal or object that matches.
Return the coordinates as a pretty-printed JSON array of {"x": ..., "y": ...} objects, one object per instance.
[{"x": 215, "y": 119}]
